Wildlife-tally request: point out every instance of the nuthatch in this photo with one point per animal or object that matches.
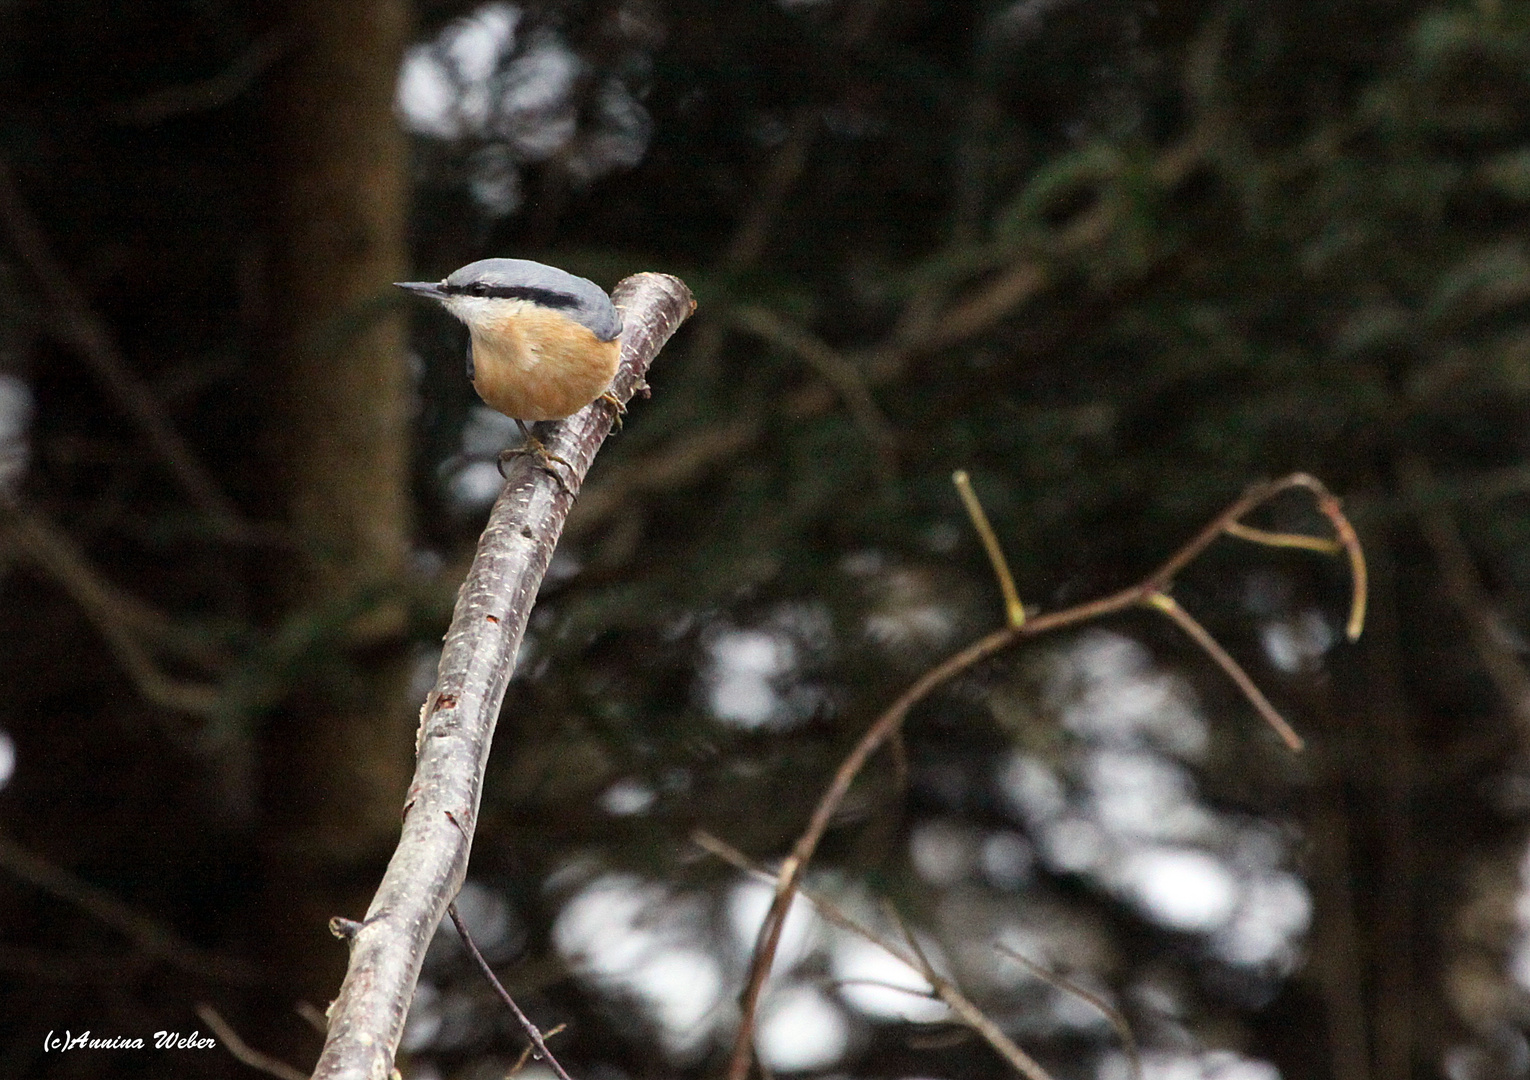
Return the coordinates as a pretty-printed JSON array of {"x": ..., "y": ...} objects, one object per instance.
[{"x": 543, "y": 343}]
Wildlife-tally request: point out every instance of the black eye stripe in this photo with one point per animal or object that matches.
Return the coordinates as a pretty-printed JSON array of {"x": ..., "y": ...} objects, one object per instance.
[{"x": 549, "y": 298}]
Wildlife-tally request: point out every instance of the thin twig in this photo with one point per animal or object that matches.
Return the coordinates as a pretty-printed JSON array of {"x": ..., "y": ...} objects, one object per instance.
[
  {"x": 1110, "y": 1012},
  {"x": 1013, "y": 609},
  {"x": 1322, "y": 544},
  {"x": 1359, "y": 578},
  {"x": 912, "y": 958},
  {"x": 520, "y": 1062},
  {"x": 242, "y": 1050},
  {"x": 532, "y": 1031},
  {"x": 458, "y": 720},
  {"x": 882, "y": 728},
  {"x": 1169, "y": 606},
  {"x": 970, "y": 1014}
]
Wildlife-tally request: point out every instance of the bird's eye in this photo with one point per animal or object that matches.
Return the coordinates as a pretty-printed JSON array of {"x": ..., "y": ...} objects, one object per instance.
[{"x": 478, "y": 288}]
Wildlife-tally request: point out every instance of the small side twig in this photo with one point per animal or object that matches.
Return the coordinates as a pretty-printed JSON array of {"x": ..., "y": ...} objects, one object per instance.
[
  {"x": 1201, "y": 636},
  {"x": 1155, "y": 584},
  {"x": 1013, "y": 609},
  {"x": 243, "y": 1051},
  {"x": 526, "y": 1051},
  {"x": 970, "y": 1014},
  {"x": 534, "y": 1033}
]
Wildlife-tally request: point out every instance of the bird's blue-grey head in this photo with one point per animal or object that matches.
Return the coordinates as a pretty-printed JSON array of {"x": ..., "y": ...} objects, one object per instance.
[{"x": 476, "y": 287}]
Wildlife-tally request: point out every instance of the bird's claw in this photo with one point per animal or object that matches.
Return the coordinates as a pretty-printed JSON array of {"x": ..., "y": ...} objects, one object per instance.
[
  {"x": 534, "y": 448},
  {"x": 618, "y": 410}
]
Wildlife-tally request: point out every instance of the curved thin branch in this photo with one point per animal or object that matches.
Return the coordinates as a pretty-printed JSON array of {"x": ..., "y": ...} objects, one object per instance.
[
  {"x": 243, "y": 1051},
  {"x": 842, "y": 374},
  {"x": 458, "y": 718},
  {"x": 1110, "y": 1012},
  {"x": 886, "y": 725}
]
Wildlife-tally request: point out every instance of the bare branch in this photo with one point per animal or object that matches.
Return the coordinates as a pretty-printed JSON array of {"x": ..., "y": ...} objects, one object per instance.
[
  {"x": 840, "y": 373},
  {"x": 534, "y": 1033},
  {"x": 520, "y": 1062},
  {"x": 1321, "y": 544},
  {"x": 1201, "y": 636},
  {"x": 888, "y": 723},
  {"x": 913, "y": 957},
  {"x": 458, "y": 719},
  {"x": 1110, "y": 1012},
  {"x": 242, "y": 1050}
]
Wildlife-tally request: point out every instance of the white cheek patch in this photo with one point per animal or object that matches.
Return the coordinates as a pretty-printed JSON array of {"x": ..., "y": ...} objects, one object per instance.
[{"x": 485, "y": 312}]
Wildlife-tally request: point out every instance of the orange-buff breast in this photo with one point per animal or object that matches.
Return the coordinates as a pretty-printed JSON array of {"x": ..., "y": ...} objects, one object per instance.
[{"x": 539, "y": 365}]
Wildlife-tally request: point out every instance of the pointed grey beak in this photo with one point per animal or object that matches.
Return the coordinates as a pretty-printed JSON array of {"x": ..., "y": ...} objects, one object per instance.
[{"x": 431, "y": 289}]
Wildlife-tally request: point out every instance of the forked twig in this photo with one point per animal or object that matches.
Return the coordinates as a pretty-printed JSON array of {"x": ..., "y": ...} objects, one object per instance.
[
  {"x": 913, "y": 958},
  {"x": 970, "y": 1014},
  {"x": 1142, "y": 594},
  {"x": 528, "y": 1049}
]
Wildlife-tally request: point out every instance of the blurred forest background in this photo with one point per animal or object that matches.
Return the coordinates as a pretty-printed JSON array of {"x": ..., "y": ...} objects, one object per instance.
[{"x": 1117, "y": 259}]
